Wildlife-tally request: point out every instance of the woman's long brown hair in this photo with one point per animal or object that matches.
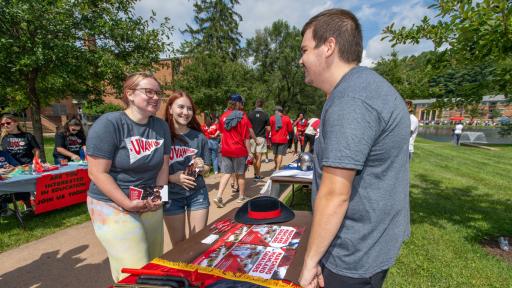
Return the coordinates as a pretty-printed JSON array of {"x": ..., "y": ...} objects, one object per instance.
[{"x": 193, "y": 124}]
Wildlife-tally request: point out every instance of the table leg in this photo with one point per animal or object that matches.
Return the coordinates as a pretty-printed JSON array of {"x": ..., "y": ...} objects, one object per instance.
[
  {"x": 17, "y": 211},
  {"x": 274, "y": 190}
]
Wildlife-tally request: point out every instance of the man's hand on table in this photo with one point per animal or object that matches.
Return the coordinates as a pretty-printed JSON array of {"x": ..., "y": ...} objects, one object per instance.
[{"x": 311, "y": 276}]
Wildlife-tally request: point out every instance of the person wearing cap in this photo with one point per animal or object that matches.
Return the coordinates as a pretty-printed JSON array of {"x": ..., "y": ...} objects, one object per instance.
[
  {"x": 360, "y": 190},
  {"x": 260, "y": 122},
  {"x": 235, "y": 146},
  {"x": 280, "y": 127}
]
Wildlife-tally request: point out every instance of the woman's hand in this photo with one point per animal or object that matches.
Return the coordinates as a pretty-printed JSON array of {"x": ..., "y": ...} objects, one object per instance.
[
  {"x": 134, "y": 205},
  {"x": 182, "y": 179},
  {"x": 75, "y": 157},
  {"x": 199, "y": 164}
]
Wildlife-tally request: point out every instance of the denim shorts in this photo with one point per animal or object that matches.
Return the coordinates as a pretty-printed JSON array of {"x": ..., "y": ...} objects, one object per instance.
[{"x": 193, "y": 202}]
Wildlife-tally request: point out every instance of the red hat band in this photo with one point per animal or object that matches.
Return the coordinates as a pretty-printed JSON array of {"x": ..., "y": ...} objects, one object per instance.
[{"x": 264, "y": 214}]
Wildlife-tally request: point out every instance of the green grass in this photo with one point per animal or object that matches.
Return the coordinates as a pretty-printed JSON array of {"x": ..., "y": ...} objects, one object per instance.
[
  {"x": 459, "y": 196},
  {"x": 49, "y": 145},
  {"x": 11, "y": 235}
]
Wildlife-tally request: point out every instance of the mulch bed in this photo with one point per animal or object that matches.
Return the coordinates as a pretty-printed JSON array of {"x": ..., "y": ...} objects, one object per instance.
[{"x": 493, "y": 248}]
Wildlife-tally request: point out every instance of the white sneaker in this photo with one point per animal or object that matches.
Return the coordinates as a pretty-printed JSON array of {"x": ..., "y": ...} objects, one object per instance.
[
  {"x": 241, "y": 200},
  {"x": 218, "y": 201}
]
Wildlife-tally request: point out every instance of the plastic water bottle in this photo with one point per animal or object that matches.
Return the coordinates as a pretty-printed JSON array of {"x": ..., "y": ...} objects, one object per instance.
[
  {"x": 503, "y": 241},
  {"x": 82, "y": 154}
]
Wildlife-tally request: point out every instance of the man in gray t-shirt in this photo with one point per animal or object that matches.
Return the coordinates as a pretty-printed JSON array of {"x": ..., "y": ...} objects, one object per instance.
[{"x": 361, "y": 179}]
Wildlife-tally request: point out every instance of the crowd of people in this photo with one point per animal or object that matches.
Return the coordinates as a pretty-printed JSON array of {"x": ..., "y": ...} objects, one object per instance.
[{"x": 19, "y": 147}]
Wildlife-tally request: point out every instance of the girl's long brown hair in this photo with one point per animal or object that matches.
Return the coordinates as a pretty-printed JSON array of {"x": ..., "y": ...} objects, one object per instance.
[{"x": 193, "y": 124}]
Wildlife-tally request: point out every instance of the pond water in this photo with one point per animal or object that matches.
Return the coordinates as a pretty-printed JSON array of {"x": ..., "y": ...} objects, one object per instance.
[{"x": 444, "y": 134}]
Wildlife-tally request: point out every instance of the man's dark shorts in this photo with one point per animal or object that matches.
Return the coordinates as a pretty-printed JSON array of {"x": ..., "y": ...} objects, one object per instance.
[
  {"x": 332, "y": 279},
  {"x": 279, "y": 149}
]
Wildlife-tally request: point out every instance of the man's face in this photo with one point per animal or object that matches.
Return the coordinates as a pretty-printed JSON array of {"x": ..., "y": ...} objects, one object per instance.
[{"x": 311, "y": 60}]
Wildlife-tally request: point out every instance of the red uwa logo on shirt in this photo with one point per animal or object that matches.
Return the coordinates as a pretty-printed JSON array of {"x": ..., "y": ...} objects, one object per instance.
[
  {"x": 179, "y": 153},
  {"x": 140, "y": 147}
]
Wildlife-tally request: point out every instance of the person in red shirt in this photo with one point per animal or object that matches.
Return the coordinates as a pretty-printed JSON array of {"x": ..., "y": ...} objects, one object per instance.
[
  {"x": 280, "y": 127},
  {"x": 211, "y": 130},
  {"x": 300, "y": 124},
  {"x": 235, "y": 146}
]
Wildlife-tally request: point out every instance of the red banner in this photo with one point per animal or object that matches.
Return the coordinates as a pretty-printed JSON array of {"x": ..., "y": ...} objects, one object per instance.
[{"x": 54, "y": 191}]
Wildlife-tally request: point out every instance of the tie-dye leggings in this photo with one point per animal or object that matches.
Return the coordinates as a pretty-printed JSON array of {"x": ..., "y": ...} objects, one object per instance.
[{"x": 131, "y": 239}]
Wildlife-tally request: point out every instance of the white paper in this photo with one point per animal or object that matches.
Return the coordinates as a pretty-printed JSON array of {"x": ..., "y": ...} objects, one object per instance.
[
  {"x": 164, "y": 192},
  {"x": 210, "y": 239}
]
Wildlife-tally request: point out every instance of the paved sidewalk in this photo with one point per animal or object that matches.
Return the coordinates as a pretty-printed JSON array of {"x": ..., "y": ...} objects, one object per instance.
[{"x": 74, "y": 257}]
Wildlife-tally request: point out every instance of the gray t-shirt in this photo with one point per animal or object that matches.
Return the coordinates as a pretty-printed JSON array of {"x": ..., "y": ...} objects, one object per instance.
[
  {"x": 365, "y": 126},
  {"x": 182, "y": 151},
  {"x": 136, "y": 150}
]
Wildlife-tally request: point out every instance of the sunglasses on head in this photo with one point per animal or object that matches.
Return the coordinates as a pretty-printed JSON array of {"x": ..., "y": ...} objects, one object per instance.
[{"x": 5, "y": 123}]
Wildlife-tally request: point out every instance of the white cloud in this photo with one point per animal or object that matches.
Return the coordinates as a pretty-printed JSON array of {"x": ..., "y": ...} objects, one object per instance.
[{"x": 368, "y": 62}]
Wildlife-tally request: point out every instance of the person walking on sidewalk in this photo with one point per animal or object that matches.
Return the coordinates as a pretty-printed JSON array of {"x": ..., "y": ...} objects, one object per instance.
[
  {"x": 310, "y": 133},
  {"x": 260, "y": 123},
  {"x": 300, "y": 124},
  {"x": 235, "y": 146},
  {"x": 188, "y": 162},
  {"x": 280, "y": 128},
  {"x": 360, "y": 191},
  {"x": 211, "y": 130}
]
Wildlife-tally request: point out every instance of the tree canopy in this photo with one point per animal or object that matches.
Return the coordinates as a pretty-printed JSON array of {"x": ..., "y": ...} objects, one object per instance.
[
  {"x": 50, "y": 50},
  {"x": 473, "y": 33}
]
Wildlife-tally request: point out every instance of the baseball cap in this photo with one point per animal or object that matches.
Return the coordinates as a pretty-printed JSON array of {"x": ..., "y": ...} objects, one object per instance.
[{"x": 236, "y": 98}]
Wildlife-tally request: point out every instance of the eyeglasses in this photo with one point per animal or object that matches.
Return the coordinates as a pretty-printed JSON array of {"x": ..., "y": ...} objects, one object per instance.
[
  {"x": 151, "y": 93},
  {"x": 5, "y": 124}
]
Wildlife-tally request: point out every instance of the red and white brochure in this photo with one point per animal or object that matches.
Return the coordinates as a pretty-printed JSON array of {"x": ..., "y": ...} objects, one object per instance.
[{"x": 135, "y": 193}]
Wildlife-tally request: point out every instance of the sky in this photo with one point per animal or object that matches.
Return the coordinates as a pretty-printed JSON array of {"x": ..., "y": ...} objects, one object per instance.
[{"x": 373, "y": 15}]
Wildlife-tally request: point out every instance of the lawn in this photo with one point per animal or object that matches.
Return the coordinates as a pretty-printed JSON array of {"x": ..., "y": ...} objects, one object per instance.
[{"x": 459, "y": 197}]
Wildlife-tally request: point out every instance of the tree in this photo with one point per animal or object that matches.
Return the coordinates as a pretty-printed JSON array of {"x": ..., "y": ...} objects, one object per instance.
[
  {"x": 209, "y": 79},
  {"x": 50, "y": 50},
  {"x": 217, "y": 30},
  {"x": 474, "y": 31},
  {"x": 409, "y": 75},
  {"x": 276, "y": 52}
]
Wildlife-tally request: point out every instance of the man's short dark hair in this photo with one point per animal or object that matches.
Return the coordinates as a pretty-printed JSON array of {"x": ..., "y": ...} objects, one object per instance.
[
  {"x": 344, "y": 27},
  {"x": 259, "y": 103},
  {"x": 279, "y": 108}
]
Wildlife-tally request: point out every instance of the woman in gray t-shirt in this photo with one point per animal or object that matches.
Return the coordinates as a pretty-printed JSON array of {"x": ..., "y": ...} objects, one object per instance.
[
  {"x": 188, "y": 195},
  {"x": 126, "y": 150}
]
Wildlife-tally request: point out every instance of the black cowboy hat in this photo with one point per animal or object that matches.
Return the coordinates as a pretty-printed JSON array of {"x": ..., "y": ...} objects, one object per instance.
[{"x": 264, "y": 210}]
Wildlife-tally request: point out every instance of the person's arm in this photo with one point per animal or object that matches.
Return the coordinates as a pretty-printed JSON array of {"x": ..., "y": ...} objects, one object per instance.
[
  {"x": 252, "y": 135},
  {"x": 98, "y": 169},
  {"x": 330, "y": 207},
  {"x": 68, "y": 153},
  {"x": 60, "y": 144}
]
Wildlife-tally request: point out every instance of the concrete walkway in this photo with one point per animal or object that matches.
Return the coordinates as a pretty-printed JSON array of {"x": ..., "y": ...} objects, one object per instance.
[{"x": 74, "y": 257}]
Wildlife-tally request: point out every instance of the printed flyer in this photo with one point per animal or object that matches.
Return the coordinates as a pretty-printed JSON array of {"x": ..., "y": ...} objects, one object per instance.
[{"x": 260, "y": 250}]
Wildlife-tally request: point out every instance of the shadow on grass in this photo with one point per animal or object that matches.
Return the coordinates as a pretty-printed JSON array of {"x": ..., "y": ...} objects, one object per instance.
[
  {"x": 482, "y": 214},
  {"x": 52, "y": 270}
]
